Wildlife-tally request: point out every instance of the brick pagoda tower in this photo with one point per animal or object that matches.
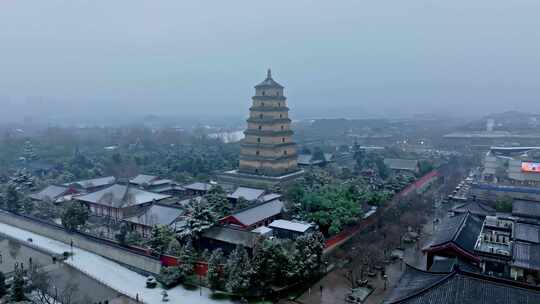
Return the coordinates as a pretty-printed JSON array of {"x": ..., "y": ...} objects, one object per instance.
[{"x": 268, "y": 149}]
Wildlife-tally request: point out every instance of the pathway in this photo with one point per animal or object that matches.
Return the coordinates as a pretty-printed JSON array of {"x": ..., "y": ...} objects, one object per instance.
[{"x": 111, "y": 274}]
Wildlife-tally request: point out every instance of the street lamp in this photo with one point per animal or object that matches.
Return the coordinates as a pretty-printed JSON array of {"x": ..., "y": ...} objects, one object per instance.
[{"x": 385, "y": 277}]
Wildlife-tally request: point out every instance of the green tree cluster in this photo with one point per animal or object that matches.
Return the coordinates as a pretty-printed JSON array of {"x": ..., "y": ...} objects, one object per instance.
[{"x": 74, "y": 216}]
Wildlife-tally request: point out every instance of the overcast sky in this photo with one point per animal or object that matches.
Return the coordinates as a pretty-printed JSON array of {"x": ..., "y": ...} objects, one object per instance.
[{"x": 350, "y": 58}]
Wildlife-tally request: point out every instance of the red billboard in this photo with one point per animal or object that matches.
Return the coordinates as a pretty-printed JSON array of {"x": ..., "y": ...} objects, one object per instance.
[{"x": 530, "y": 167}]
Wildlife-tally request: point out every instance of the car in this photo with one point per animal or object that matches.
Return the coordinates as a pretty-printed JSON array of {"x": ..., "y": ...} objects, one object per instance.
[{"x": 151, "y": 282}]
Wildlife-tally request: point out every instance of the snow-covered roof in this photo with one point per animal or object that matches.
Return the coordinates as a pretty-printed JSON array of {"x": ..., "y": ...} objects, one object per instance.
[
  {"x": 259, "y": 212},
  {"x": 270, "y": 197},
  {"x": 289, "y": 225},
  {"x": 231, "y": 236},
  {"x": 250, "y": 194},
  {"x": 263, "y": 230},
  {"x": 50, "y": 193},
  {"x": 93, "y": 183},
  {"x": 198, "y": 186},
  {"x": 120, "y": 196},
  {"x": 142, "y": 179},
  {"x": 157, "y": 214}
]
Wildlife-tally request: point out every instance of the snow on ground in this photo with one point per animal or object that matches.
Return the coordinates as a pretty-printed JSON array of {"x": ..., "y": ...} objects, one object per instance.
[{"x": 108, "y": 272}]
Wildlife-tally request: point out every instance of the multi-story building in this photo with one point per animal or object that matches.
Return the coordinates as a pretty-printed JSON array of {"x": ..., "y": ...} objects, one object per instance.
[
  {"x": 268, "y": 148},
  {"x": 268, "y": 154}
]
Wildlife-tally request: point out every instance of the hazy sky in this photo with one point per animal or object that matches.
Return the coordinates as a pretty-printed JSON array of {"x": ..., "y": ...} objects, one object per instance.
[{"x": 351, "y": 58}]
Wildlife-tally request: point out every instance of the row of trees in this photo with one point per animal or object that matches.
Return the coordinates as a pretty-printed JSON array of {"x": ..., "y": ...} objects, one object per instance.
[{"x": 273, "y": 263}]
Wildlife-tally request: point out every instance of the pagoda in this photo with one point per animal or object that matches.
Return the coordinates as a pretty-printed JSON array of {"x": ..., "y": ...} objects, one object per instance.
[{"x": 268, "y": 153}]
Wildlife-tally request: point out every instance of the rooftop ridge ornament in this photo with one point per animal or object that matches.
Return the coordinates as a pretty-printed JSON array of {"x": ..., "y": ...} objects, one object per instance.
[{"x": 269, "y": 74}]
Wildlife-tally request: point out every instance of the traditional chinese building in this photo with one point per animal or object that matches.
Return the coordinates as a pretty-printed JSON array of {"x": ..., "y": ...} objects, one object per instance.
[
  {"x": 268, "y": 153},
  {"x": 268, "y": 148}
]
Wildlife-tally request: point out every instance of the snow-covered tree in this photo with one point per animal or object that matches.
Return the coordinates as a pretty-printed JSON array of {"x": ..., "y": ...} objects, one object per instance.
[
  {"x": 160, "y": 238},
  {"x": 200, "y": 217},
  {"x": 214, "y": 275},
  {"x": 16, "y": 293},
  {"x": 270, "y": 263},
  {"x": 217, "y": 198},
  {"x": 23, "y": 181},
  {"x": 308, "y": 256},
  {"x": 238, "y": 271}
]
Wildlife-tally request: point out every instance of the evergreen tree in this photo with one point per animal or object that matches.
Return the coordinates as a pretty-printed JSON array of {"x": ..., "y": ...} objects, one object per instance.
[
  {"x": 12, "y": 197},
  {"x": 200, "y": 217},
  {"x": 308, "y": 256},
  {"x": 74, "y": 216},
  {"x": 161, "y": 237},
  {"x": 238, "y": 271},
  {"x": 17, "y": 286},
  {"x": 217, "y": 199},
  {"x": 214, "y": 275},
  {"x": 3, "y": 287},
  {"x": 23, "y": 181},
  {"x": 270, "y": 262},
  {"x": 175, "y": 248},
  {"x": 188, "y": 258}
]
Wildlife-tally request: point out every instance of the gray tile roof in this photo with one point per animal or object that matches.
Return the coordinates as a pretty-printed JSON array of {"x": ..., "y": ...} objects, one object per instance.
[
  {"x": 460, "y": 287},
  {"x": 231, "y": 236},
  {"x": 198, "y": 186},
  {"x": 524, "y": 208},
  {"x": 527, "y": 232},
  {"x": 526, "y": 255},
  {"x": 290, "y": 225},
  {"x": 121, "y": 196},
  {"x": 401, "y": 164},
  {"x": 250, "y": 194},
  {"x": 462, "y": 230},
  {"x": 142, "y": 179},
  {"x": 448, "y": 264},
  {"x": 259, "y": 212},
  {"x": 269, "y": 82},
  {"x": 157, "y": 214},
  {"x": 50, "y": 193},
  {"x": 93, "y": 183},
  {"x": 475, "y": 207}
]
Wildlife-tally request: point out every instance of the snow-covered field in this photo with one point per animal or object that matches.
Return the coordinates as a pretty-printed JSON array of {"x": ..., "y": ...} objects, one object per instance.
[{"x": 108, "y": 272}]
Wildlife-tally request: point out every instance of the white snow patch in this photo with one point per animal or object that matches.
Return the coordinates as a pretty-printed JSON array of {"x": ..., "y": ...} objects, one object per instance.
[{"x": 108, "y": 272}]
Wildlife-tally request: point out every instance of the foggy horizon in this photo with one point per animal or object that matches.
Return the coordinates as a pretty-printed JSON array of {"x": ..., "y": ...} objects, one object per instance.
[{"x": 85, "y": 60}]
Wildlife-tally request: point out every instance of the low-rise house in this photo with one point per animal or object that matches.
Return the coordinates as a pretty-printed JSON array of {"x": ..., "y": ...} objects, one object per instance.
[
  {"x": 197, "y": 188},
  {"x": 156, "y": 215},
  {"x": 91, "y": 185},
  {"x": 307, "y": 160},
  {"x": 459, "y": 286},
  {"x": 525, "y": 264},
  {"x": 158, "y": 185},
  {"x": 526, "y": 232},
  {"x": 228, "y": 238},
  {"x": 119, "y": 201},
  {"x": 494, "y": 245},
  {"x": 255, "y": 216},
  {"x": 474, "y": 207},
  {"x": 250, "y": 194},
  {"x": 399, "y": 164},
  {"x": 526, "y": 209},
  {"x": 285, "y": 229},
  {"x": 455, "y": 238},
  {"x": 54, "y": 194}
]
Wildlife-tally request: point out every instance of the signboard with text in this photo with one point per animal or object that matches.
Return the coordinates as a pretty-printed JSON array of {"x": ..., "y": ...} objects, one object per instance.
[{"x": 530, "y": 167}]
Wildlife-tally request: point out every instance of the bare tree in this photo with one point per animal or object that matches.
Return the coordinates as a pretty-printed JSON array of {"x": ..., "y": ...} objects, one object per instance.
[{"x": 43, "y": 292}]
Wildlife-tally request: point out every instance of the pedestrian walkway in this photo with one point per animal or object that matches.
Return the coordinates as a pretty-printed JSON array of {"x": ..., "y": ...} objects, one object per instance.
[{"x": 109, "y": 273}]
